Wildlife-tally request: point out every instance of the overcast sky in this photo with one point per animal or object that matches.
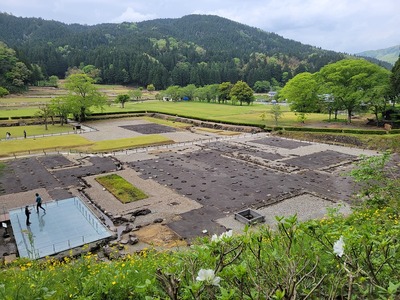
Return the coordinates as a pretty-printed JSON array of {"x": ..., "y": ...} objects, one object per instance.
[{"x": 349, "y": 26}]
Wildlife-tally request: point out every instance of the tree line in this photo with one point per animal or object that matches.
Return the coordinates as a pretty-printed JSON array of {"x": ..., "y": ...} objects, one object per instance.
[
  {"x": 199, "y": 50},
  {"x": 351, "y": 84}
]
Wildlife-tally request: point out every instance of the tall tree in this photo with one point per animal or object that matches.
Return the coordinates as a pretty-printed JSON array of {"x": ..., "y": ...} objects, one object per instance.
[
  {"x": 122, "y": 98},
  {"x": 150, "y": 87},
  {"x": 351, "y": 81},
  {"x": 136, "y": 94},
  {"x": 45, "y": 112},
  {"x": 242, "y": 92},
  {"x": 82, "y": 95},
  {"x": 302, "y": 93},
  {"x": 36, "y": 74},
  {"x": 3, "y": 92},
  {"x": 395, "y": 80},
  {"x": 60, "y": 108},
  {"x": 92, "y": 72},
  {"x": 14, "y": 74},
  {"x": 188, "y": 91},
  {"x": 224, "y": 90},
  {"x": 276, "y": 113},
  {"x": 173, "y": 92},
  {"x": 262, "y": 86}
]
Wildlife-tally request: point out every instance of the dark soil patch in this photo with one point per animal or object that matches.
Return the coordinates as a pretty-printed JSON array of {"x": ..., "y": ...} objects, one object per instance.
[
  {"x": 227, "y": 148},
  {"x": 54, "y": 161},
  {"x": 224, "y": 185},
  {"x": 320, "y": 159},
  {"x": 280, "y": 143},
  {"x": 149, "y": 128},
  {"x": 26, "y": 174}
]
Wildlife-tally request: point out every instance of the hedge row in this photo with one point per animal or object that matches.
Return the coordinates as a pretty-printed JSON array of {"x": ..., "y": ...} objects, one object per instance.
[
  {"x": 178, "y": 116},
  {"x": 274, "y": 128},
  {"x": 334, "y": 130},
  {"x": 22, "y": 117}
]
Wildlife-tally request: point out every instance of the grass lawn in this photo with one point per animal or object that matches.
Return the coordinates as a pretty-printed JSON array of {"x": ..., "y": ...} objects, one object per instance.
[
  {"x": 51, "y": 143},
  {"x": 169, "y": 123},
  {"x": 249, "y": 114},
  {"x": 34, "y": 130},
  {"x": 120, "y": 188},
  {"x": 77, "y": 143},
  {"x": 217, "y": 131},
  {"x": 18, "y": 112},
  {"x": 127, "y": 143}
]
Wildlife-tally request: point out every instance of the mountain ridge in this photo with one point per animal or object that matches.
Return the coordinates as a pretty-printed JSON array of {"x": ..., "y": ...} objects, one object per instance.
[
  {"x": 390, "y": 54},
  {"x": 194, "y": 49}
]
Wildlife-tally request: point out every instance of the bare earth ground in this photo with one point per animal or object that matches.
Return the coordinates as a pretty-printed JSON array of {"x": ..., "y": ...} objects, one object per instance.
[{"x": 194, "y": 186}]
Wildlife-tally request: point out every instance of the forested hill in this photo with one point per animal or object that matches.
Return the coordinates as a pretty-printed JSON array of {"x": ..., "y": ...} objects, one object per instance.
[
  {"x": 390, "y": 55},
  {"x": 196, "y": 49}
]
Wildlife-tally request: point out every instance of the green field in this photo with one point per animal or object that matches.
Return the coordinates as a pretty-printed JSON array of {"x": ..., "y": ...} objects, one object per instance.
[
  {"x": 34, "y": 130},
  {"x": 44, "y": 144},
  {"x": 127, "y": 143},
  {"x": 249, "y": 114},
  {"x": 76, "y": 143},
  {"x": 28, "y": 105}
]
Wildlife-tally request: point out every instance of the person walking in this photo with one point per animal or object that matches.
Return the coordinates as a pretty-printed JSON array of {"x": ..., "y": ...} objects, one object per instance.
[
  {"x": 39, "y": 203},
  {"x": 27, "y": 214},
  {"x": 24, "y": 134}
]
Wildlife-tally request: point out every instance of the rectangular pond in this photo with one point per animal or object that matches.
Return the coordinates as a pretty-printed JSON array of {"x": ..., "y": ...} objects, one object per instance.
[{"x": 66, "y": 224}]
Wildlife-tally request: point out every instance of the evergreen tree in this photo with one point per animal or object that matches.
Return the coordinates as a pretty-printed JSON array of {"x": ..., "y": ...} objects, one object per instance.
[{"x": 395, "y": 81}]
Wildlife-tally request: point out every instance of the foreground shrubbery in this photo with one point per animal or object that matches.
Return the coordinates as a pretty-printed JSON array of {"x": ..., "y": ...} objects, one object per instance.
[{"x": 354, "y": 257}]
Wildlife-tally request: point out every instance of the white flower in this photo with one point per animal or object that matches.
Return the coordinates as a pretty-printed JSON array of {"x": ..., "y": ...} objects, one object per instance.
[
  {"x": 226, "y": 234},
  {"x": 214, "y": 238},
  {"x": 208, "y": 277},
  {"x": 338, "y": 247},
  {"x": 223, "y": 236}
]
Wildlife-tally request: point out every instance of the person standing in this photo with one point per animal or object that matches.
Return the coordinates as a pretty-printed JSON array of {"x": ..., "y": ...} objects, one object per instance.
[
  {"x": 24, "y": 134},
  {"x": 27, "y": 214},
  {"x": 39, "y": 203}
]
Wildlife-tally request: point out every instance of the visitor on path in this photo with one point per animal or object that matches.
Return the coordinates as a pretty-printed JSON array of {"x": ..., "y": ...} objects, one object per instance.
[
  {"x": 8, "y": 135},
  {"x": 24, "y": 134},
  {"x": 39, "y": 203},
  {"x": 27, "y": 214}
]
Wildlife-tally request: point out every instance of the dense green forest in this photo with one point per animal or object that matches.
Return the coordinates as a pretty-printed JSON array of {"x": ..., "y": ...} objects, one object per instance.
[{"x": 195, "y": 49}]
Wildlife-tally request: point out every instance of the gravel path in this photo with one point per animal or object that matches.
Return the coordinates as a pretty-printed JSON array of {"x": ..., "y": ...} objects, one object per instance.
[{"x": 305, "y": 207}]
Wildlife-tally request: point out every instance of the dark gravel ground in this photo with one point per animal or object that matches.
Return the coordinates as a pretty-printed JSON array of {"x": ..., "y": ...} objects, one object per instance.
[
  {"x": 149, "y": 128},
  {"x": 21, "y": 175},
  {"x": 224, "y": 185},
  {"x": 223, "y": 177}
]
